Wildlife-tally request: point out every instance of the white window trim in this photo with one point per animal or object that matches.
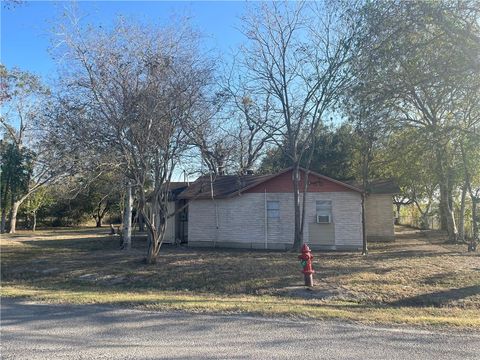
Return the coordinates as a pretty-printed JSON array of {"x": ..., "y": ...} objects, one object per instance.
[
  {"x": 330, "y": 215},
  {"x": 273, "y": 211}
]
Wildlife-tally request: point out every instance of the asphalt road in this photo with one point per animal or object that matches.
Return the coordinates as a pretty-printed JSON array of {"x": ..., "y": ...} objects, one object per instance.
[{"x": 38, "y": 331}]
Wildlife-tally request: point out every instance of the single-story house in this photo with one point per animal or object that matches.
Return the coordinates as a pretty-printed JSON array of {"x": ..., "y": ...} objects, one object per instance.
[{"x": 257, "y": 212}]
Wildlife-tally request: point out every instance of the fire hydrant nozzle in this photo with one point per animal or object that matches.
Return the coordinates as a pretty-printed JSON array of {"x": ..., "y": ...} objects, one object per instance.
[{"x": 306, "y": 260}]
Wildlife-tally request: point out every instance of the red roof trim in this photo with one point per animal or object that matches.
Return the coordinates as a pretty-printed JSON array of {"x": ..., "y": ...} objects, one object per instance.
[
  {"x": 289, "y": 169},
  {"x": 333, "y": 180}
]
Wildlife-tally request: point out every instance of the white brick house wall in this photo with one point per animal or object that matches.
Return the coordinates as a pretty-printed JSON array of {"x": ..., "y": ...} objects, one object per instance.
[
  {"x": 379, "y": 215},
  {"x": 346, "y": 216},
  {"x": 236, "y": 220},
  {"x": 240, "y": 221}
]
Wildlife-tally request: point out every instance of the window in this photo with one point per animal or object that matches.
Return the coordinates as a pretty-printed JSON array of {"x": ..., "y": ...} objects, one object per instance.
[
  {"x": 273, "y": 209},
  {"x": 324, "y": 211}
]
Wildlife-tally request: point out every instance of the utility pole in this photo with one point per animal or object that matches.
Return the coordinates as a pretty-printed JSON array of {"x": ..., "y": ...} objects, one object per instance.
[{"x": 127, "y": 219}]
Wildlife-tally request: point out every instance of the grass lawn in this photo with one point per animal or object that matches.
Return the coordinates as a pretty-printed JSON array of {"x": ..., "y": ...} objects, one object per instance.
[{"x": 416, "y": 280}]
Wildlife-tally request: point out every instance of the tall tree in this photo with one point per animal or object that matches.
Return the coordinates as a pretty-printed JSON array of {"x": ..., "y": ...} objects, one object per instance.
[
  {"x": 468, "y": 140},
  {"x": 134, "y": 92},
  {"x": 24, "y": 99},
  {"x": 297, "y": 56},
  {"x": 15, "y": 175},
  {"x": 419, "y": 69},
  {"x": 368, "y": 119},
  {"x": 408, "y": 160}
]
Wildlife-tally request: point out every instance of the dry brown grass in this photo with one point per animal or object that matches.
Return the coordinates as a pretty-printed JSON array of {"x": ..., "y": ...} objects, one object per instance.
[{"x": 417, "y": 279}]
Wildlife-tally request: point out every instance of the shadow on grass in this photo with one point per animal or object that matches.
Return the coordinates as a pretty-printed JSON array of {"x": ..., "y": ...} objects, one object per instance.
[
  {"x": 438, "y": 298},
  {"x": 403, "y": 254},
  {"x": 170, "y": 299}
]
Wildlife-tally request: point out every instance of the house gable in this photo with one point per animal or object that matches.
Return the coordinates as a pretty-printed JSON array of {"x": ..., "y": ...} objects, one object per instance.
[{"x": 282, "y": 183}]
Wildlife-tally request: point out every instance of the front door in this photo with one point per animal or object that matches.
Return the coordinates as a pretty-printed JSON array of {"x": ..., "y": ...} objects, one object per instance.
[{"x": 181, "y": 223}]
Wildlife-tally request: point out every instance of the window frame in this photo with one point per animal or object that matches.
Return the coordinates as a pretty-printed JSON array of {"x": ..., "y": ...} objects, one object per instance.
[
  {"x": 272, "y": 211},
  {"x": 324, "y": 210}
]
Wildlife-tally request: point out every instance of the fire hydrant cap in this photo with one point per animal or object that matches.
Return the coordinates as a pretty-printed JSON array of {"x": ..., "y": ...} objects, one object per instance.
[{"x": 305, "y": 248}]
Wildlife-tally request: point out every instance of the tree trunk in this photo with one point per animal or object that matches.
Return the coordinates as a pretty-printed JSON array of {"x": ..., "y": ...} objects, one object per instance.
[
  {"x": 448, "y": 212},
  {"x": 446, "y": 199},
  {"x": 397, "y": 217},
  {"x": 98, "y": 221},
  {"x": 13, "y": 216},
  {"x": 10, "y": 217},
  {"x": 4, "y": 220},
  {"x": 461, "y": 225},
  {"x": 366, "y": 158},
  {"x": 156, "y": 231},
  {"x": 475, "y": 199},
  {"x": 475, "y": 236},
  {"x": 4, "y": 207},
  {"x": 141, "y": 223},
  {"x": 127, "y": 220},
  {"x": 424, "y": 225},
  {"x": 306, "y": 174},
  {"x": 364, "y": 227},
  {"x": 151, "y": 258},
  {"x": 154, "y": 244},
  {"x": 297, "y": 240},
  {"x": 34, "y": 221},
  {"x": 443, "y": 214}
]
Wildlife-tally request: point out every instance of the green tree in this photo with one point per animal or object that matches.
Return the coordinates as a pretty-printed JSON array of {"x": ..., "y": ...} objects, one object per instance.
[
  {"x": 418, "y": 66},
  {"x": 407, "y": 159},
  {"x": 102, "y": 195},
  {"x": 15, "y": 175},
  {"x": 24, "y": 98},
  {"x": 333, "y": 154},
  {"x": 37, "y": 201}
]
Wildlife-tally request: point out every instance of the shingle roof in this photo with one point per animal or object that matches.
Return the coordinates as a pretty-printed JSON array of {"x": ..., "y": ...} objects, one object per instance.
[
  {"x": 223, "y": 186},
  {"x": 175, "y": 185},
  {"x": 229, "y": 185}
]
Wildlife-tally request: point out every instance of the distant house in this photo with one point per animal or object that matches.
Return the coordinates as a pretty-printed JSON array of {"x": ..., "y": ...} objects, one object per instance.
[{"x": 257, "y": 212}]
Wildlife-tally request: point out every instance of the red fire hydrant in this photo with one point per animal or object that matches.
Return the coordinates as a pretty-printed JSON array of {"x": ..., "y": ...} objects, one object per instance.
[{"x": 306, "y": 260}]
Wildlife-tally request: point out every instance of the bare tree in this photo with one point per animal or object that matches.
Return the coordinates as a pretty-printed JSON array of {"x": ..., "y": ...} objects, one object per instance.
[
  {"x": 248, "y": 113},
  {"x": 213, "y": 140},
  {"x": 134, "y": 92},
  {"x": 297, "y": 56}
]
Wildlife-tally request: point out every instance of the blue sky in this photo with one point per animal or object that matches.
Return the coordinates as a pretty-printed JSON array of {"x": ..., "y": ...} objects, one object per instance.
[{"x": 26, "y": 29}]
